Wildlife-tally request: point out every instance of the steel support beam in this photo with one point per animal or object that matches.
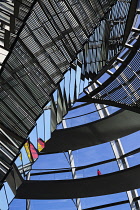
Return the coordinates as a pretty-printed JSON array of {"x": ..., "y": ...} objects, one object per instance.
[
  {"x": 118, "y": 152},
  {"x": 72, "y": 165},
  {"x": 28, "y": 202}
]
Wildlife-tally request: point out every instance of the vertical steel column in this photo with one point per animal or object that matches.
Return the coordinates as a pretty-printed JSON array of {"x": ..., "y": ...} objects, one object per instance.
[
  {"x": 28, "y": 202},
  {"x": 72, "y": 165},
  {"x": 118, "y": 152}
]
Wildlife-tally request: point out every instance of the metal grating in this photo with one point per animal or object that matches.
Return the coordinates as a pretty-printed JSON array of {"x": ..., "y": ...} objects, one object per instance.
[
  {"x": 50, "y": 39},
  {"x": 122, "y": 89}
]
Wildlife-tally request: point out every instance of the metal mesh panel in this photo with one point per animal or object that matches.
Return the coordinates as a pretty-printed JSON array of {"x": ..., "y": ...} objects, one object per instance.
[
  {"x": 106, "y": 42},
  {"x": 125, "y": 89},
  {"x": 14, "y": 12},
  {"x": 53, "y": 34}
]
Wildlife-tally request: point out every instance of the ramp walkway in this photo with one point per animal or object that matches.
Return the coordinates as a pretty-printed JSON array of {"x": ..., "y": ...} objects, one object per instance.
[
  {"x": 117, "y": 125},
  {"x": 116, "y": 182}
]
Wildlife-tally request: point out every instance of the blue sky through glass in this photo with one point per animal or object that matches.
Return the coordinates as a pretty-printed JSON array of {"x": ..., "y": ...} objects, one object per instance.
[{"x": 81, "y": 157}]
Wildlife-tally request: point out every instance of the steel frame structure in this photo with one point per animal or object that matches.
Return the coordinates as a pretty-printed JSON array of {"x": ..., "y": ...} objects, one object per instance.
[{"x": 51, "y": 58}]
